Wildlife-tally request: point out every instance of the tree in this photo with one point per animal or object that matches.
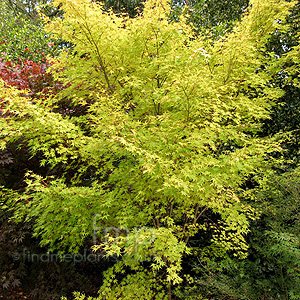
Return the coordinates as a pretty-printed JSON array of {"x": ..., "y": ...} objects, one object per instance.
[{"x": 166, "y": 137}]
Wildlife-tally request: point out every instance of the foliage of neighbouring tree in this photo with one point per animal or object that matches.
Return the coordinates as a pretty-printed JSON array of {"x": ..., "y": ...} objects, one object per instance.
[
  {"x": 280, "y": 44},
  {"x": 286, "y": 113},
  {"x": 210, "y": 17},
  {"x": 22, "y": 38},
  {"x": 166, "y": 137},
  {"x": 130, "y": 7},
  {"x": 29, "y": 8}
]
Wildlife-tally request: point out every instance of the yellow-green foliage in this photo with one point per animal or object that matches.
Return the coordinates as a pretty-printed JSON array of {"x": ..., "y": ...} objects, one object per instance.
[
  {"x": 141, "y": 285},
  {"x": 177, "y": 114}
]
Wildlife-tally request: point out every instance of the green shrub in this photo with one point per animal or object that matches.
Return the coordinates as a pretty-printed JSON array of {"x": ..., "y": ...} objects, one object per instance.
[{"x": 21, "y": 38}]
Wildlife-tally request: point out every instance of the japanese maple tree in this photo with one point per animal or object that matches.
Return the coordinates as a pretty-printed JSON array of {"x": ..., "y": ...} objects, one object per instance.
[{"x": 167, "y": 137}]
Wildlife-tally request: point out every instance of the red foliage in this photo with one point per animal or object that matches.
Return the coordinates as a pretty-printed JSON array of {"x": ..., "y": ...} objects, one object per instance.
[{"x": 30, "y": 76}]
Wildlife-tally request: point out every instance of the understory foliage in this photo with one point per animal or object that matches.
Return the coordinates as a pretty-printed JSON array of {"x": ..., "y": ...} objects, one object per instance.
[
  {"x": 276, "y": 237},
  {"x": 154, "y": 133}
]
